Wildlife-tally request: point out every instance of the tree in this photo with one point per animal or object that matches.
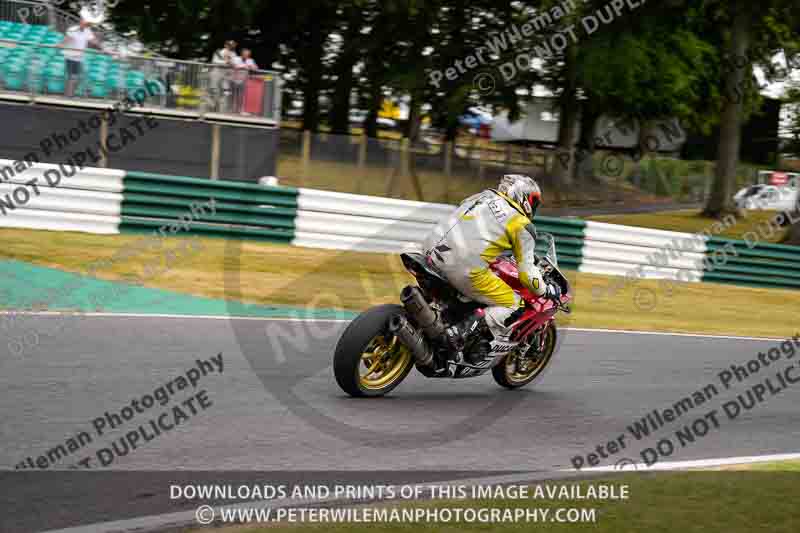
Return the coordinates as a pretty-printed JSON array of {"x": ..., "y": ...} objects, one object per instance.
[
  {"x": 793, "y": 100},
  {"x": 721, "y": 201},
  {"x": 308, "y": 45},
  {"x": 164, "y": 28},
  {"x": 409, "y": 74},
  {"x": 461, "y": 28},
  {"x": 640, "y": 66},
  {"x": 380, "y": 52},
  {"x": 353, "y": 18},
  {"x": 645, "y": 67},
  {"x": 753, "y": 33}
]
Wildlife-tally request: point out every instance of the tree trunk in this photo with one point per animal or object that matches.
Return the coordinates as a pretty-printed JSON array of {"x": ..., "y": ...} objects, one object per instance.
[
  {"x": 730, "y": 135},
  {"x": 457, "y": 49},
  {"x": 375, "y": 101},
  {"x": 568, "y": 124},
  {"x": 793, "y": 237},
  {"x": 451, "y": 130},
  {"x": 340, "y": 110},
  {"x": 414, "y": 118},
  {"x": 421, "y": 40},
  {"x": 639, "y": 153},
  {"x": 312, "y": 67},
  {"x": 584, "y": 161}
]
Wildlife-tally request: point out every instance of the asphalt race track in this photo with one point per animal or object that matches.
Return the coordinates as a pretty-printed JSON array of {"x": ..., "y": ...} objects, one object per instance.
[{"x": 275, "y": 405}]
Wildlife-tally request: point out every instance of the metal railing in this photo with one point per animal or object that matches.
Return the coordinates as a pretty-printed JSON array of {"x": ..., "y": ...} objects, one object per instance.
[
  {"x": 93, "y": 76},
  {"x": 436, "y": 170},
  {"x": 46, "y": 13}
]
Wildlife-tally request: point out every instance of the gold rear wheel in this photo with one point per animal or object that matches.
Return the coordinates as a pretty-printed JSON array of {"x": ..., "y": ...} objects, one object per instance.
[
  {"x": 370, "y": 361},
  {"x": 384, "y": 362}
]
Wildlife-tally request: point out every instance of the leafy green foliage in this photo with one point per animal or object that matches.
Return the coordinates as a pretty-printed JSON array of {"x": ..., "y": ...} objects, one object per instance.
[{"x": 664, "y": 59}]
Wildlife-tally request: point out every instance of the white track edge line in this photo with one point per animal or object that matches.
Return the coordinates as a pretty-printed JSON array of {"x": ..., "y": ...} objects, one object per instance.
[{"x": 344, "y": 320}]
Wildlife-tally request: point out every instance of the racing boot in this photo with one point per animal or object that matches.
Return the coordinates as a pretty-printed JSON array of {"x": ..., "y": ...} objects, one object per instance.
[{"x": 468, "y": 339}]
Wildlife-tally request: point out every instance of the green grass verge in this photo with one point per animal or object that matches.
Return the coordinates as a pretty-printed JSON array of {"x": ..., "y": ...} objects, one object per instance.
[
  {"x": 263, "y": 273},
  {"x": 778, "y": 466},
  {"x": 755, "y": 498},
  {"x": 690, "y": 221}
]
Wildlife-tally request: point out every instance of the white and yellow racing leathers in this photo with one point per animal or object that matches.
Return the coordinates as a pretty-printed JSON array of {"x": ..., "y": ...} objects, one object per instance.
[{"x": 464, "y": 245}]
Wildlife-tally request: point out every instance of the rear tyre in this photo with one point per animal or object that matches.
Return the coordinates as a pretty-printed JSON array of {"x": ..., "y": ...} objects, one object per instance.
[
  {"x": 369, "y": 361},
  {"x": 514, "y": 372}
]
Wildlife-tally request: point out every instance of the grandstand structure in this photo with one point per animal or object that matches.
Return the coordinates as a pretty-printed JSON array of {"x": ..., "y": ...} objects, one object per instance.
[{"x": 33, "y": 69}]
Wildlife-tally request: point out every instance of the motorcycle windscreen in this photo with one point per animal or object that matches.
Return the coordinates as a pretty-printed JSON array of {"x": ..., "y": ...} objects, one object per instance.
[{"x": 548, "y": 243}]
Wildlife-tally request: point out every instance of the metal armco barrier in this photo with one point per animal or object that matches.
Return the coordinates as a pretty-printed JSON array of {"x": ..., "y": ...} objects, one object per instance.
[
  {"x": 114, "y": 201},
  {"x": 760, "y": 265}
]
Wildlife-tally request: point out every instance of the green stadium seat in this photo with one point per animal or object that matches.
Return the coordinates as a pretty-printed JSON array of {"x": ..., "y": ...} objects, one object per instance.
[
  {"x": 36, "y": 77},
  {"x": 55, "y": 85},
  {"x": 44, "y": 67},
  {"x": 15, "y": 79},
  {"x": 47, "y": 53},
  {"x": 113, "y": 81},
  {"x": 98, "y": 89},
  {"x": 161, "y": 87},
  {"x": 56, "y": 66}
]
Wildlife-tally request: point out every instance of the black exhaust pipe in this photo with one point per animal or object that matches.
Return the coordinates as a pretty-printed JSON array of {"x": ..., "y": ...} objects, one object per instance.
[
  {"x": 412, "y": 339},
  {"x": 421, "y": 312}
]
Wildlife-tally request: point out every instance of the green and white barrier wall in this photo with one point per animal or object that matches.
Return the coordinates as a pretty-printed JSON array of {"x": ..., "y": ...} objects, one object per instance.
[{"x": 112, "y": 201}]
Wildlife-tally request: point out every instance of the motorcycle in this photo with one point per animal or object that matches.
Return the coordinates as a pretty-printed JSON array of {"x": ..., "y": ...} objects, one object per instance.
[{"x": 381, "y": 346}]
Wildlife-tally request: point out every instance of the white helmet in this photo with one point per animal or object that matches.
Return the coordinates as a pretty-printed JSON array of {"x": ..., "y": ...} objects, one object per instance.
[{"x": 523, "y": 190}]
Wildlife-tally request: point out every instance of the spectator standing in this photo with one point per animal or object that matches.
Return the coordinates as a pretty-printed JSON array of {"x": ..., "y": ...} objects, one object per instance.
[
  {"x": 243, "y": 66},
  {"x": 224, "y": 56},
  {"x": 76, "y": 40},
  {"x": 223, "y": 61}
]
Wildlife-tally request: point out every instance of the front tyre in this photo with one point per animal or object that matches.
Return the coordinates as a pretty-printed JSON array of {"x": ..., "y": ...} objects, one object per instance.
[
  {"x": 514, "y": 372},
  {"x": 369, "y": 361}
]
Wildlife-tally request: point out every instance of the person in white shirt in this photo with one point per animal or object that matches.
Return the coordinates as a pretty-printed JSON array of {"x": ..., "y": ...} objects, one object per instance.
[
  {"x": 243, "y": 66},
  {"x": 220, "y": 85},
  {"x": 224, "y": 56},
  {"x": 76, "y": 40}
]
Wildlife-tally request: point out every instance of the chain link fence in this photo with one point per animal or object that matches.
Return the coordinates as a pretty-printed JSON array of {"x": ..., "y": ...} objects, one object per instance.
[{"x": 433, "y": 170}]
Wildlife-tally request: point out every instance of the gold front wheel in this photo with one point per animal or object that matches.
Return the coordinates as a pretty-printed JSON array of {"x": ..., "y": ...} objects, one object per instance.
[{"x": 517, "y": 370}]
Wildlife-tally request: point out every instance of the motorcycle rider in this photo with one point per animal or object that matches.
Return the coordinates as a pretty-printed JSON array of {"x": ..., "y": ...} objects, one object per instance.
[{"x": 485, "y": 226}]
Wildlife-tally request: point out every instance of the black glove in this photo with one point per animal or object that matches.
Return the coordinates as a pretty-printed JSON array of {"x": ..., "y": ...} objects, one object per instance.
[{"x": 553, "y": 292}]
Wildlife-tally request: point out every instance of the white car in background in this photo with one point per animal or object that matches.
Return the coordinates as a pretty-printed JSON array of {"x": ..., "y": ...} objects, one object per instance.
[{"x": 767, "y": 197}]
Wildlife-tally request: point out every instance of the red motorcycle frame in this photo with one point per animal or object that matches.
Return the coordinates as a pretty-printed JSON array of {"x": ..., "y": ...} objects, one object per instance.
[{"x": 538, "y": 311}]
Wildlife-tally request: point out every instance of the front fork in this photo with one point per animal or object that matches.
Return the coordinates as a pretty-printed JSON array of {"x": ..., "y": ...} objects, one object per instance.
[{"x": 536, "y": 339}]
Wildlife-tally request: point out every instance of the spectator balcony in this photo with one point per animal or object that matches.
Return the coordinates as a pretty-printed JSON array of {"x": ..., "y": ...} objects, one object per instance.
[{"x": 33, "y": 68}]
